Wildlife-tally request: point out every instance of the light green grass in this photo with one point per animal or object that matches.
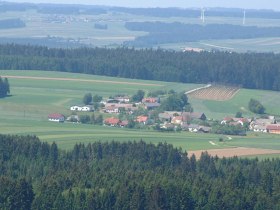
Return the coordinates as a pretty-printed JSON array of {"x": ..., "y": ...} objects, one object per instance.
[
  {"x": 264, "y": 157},
  {"x": 67, "y": 134},
  {"x": 35, "y": 99}
]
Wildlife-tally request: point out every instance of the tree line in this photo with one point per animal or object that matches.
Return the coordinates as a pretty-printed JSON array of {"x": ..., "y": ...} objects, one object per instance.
[
  {"x": 130, "y": 175},
  {"x": 160, "y": 32},
  {"x": 250, "y": 70}
]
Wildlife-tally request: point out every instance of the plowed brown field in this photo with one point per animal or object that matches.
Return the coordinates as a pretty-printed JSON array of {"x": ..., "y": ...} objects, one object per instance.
[{"x": 215, "y": 92}]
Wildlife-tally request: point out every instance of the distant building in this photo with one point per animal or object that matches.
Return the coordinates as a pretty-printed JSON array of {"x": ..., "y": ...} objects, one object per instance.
[
  {"x": 86, "y": 108},
  {"x": 124, "y": 99},
  {"x": 151, "y": 106},
  {"x": 150, "y": 100},
  {"x": 142, "y": 119},
  {"x": 112, "y": 121},
  {"x": 273, "y": 128},
  {"x": 55, "y": 117}
]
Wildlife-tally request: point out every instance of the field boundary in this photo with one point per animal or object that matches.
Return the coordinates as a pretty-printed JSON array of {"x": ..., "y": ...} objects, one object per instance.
[
  {"x": 80, "y": 80},
  {"x": 234, "y": 151}
]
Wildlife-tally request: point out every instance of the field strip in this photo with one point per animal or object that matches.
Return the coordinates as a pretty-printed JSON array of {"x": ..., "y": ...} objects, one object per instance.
[
  {"x": 211, "y": 142},
  {"x": 193, "y": 90},
  {"x": 80, "y": 80},
  {"x": 236, "y": 151},
  {"x": 217, "y": 46}
]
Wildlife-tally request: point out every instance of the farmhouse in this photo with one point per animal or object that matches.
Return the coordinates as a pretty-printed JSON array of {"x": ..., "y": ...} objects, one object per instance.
[
  {"x": 235, "y": 121},
  {"x": 86, "y": 108},
  {"x": 177, "y": 120},
  {"x": 55, "y": 117},
  {"x": 150, "y": 100},
  {"x": 123, "y": 99},
  {"x": 193, "y": 115},
  {"x": 112, "y": 121},
  {"x": 273, "y": 128},
  {"x": 164, "y": 117},
  {"x": 142, "y": 119},
  {"x": 151, "y": 106},
  {"x": 112, "y": 109},
  {"x": 260, "y": 125}
]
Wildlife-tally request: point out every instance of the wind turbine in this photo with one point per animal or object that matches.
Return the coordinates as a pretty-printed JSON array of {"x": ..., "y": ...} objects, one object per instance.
[
  {"x": 202, "y": 16},
  {"x": 244, "y": 17}
]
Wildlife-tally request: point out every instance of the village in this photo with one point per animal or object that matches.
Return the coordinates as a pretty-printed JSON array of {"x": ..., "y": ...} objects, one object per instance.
[{"x": 148, "y": 113}]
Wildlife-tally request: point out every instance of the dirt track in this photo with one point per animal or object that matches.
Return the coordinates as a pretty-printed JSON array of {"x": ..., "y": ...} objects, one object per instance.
[
  {"x": 80, "y": 80},
  {"x": 237, "y": 151}
]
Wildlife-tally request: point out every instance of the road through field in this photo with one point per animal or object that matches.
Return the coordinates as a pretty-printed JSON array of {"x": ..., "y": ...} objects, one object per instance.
[{"x": 81, "y": 80}]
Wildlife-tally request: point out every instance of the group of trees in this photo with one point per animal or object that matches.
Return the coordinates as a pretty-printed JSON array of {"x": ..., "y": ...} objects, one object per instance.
[
  {"x": 131, "y": 175},
  {"x": 256, "y": 107},
  {"x": 4, "y": 87},
  {"x": 175, "y": 102},
  {"x": 250, "y": 70}
]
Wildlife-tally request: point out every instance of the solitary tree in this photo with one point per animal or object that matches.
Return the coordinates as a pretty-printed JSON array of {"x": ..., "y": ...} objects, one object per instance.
[
  {"x": 256, "y": 107},
  {"x": 4, "y": 87},
  {"x": 87, "y": 98},
  {"x": 138, "y": 96}
]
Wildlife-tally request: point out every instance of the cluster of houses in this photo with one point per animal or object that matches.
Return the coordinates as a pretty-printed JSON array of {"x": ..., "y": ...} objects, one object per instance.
[
  {"x": 263, "y": 125},
  {"x": 189, "y": 121}
]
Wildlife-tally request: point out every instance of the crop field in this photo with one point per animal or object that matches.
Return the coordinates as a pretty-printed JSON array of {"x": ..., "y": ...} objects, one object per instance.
[
  {"x": 42, "y": 26},
  {"x": 214, "y": 92},
  {"x": 35, "y": 94}
]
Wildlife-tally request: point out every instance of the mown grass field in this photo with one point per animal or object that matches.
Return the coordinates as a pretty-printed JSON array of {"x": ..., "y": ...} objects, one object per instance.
[{"x": 25, "y": 112}]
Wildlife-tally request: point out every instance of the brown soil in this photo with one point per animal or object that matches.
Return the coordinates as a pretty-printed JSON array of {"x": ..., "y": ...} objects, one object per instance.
[
  {"x": 237, "y": 151},
  {"x": 216, "y": 93}
]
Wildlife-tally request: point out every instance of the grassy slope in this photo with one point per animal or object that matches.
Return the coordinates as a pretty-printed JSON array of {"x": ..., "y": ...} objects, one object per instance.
[
  {"x": 26, "y": 112},
  {"x": 218, "y": 109}
]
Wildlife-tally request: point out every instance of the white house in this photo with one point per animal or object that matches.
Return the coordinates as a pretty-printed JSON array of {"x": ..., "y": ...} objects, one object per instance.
[
  {"x": 55, "y": 117},
  {"x": 81, "y": 108}
]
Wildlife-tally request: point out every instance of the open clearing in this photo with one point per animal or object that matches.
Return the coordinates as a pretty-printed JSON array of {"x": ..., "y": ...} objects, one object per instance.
[
  {"x": 238, "y": 151},
  {"x": 215, "y": 92}
]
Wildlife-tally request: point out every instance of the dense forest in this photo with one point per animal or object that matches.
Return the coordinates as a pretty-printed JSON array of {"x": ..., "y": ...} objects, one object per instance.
[
  {"x": 132, "y": 175},
  {"x": 11, "y": 23},
  {"x": 160, "y": 32},
  {"x": 250, "y": 70}
]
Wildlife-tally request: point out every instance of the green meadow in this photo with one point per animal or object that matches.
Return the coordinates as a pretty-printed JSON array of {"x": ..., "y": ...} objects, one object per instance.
[{"x": 26, "y": 110}]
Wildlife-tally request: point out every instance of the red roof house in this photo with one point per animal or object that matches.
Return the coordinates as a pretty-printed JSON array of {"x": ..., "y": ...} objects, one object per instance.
[
  {"x": 273, "y": 128},
  {"x": 112, "y": 121},
  {"x": 56, "y": 117},
  {"x": 142, "y": 119}
]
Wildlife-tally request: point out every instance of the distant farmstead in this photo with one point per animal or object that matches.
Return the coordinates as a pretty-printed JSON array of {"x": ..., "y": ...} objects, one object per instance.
[
  {"x": 273, "y": 128},
  {"x": 81, "y": 108},
  {"x": 55, "y": 117}
]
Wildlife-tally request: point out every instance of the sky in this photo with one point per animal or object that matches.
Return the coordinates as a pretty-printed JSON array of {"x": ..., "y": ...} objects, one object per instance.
[{"x": 248, "y": 4}]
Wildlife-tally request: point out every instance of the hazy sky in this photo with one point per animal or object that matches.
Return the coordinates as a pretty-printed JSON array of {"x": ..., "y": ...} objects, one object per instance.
[{"x": 254, "y": 4}]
